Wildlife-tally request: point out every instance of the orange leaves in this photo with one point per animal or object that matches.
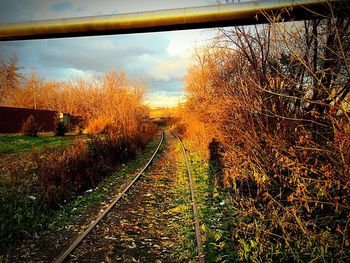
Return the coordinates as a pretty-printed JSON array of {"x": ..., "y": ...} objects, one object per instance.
[
  {"x": 98, "y": 125},
  {"x": 279, "y": 113}
]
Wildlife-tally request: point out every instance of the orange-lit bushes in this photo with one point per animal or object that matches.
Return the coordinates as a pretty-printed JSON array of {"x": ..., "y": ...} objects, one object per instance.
[
  {"x": 276, "y": 99},
  {"x": 119, "y": 129}
]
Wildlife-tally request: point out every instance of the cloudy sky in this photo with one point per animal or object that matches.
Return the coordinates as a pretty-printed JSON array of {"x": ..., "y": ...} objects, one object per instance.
[{"x": 160, "y": 58}]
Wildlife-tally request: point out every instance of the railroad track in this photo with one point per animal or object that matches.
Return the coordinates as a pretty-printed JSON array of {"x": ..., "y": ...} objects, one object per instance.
[
  {"x": 194, "y": 205},
  {"x": 65, "y": 254}
]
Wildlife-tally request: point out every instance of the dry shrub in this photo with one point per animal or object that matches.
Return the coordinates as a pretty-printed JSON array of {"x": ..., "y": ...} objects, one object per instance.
[
  {"x": 98, "y": 125},
  {"x": 63, "y": 175},
  {"x": 147, "y": 131},
  {"x": 276, "y": 99},
  {"x": 201, "y": 133},
  {"x": 118, "y": 128},
  {"x": 30, "y": 127}
]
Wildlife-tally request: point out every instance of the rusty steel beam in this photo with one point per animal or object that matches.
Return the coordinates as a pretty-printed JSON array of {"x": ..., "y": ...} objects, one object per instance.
[{"x": 247, "y": 13}]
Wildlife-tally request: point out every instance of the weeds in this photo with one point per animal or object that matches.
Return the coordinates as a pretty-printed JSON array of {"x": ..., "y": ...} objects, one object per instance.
[
  {"x": 216, "y": 209},
  {"x": 32, "y": 191},
  {"x": 187, "y": 248},
  {"x": 81, "y": 204},
  {"x": 277, "y": 99},
  {"x": 19, "y": 206}
]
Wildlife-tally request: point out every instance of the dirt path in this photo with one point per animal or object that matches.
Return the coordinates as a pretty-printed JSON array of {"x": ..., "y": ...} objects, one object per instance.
[{"x": 143, "y": 227}]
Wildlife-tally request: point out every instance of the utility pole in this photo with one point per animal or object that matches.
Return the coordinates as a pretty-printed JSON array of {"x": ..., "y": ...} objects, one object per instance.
[{"x": 33, "y": 80}]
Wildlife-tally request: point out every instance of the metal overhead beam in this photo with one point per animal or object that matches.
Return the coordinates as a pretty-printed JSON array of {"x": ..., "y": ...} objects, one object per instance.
[{"x": 247, "y": 13}]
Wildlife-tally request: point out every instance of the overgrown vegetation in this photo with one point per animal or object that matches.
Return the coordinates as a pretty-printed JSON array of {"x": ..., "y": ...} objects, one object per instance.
[
  {"x": 216, "y": 211},
  {"x": 80, "y": 205},
  {"x": 30, "y": 127},
  {"x": 276, "y": 99},
  {"x": 119, "y": 129},
  {"x": 186, "y": 250},
  {"x": 32, "y": 189}
]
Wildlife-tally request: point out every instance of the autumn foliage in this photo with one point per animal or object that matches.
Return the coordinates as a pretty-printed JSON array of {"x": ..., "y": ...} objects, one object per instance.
[
  {"x": 276, "y": 98},
  {"x": 117, "y": 126},
  {"x": 115, "y": 119}
]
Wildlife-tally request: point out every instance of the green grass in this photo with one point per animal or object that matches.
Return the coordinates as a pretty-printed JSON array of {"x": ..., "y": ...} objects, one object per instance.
[
  {"x": 186, "y": 249},
  {"x": 216, "y": 210},
  {"x": 21, "y": 213},
  {"x": 18, "y": 143}
]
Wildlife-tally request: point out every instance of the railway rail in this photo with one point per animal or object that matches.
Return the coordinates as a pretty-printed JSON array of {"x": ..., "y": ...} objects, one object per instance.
[
  {"x": 194, "y": 205},
  {"x": 65, "y": 254}
]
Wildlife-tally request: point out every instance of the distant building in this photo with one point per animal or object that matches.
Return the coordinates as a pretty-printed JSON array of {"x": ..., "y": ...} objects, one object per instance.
[
  {"x": 65, "y": 118},
  {"x": 11, "y": 119}
]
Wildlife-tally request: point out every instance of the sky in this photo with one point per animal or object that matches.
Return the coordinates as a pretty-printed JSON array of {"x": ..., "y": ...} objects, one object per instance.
[{"x": 159, "y": 58}]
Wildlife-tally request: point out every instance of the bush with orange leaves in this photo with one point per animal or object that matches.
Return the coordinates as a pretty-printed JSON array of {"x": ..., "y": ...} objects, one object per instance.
[
  {"x": 118, "y": 128},
  {"x": 277, "y": 98}
]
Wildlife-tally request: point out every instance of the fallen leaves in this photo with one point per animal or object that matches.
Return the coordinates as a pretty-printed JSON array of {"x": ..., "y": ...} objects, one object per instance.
[{"x": 133, "y": 245}]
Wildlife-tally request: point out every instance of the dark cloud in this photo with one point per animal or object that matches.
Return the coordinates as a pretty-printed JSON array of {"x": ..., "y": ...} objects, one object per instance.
[
  {"x": 97, "y": 54},
  {"x": 144, "y": 56}
]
